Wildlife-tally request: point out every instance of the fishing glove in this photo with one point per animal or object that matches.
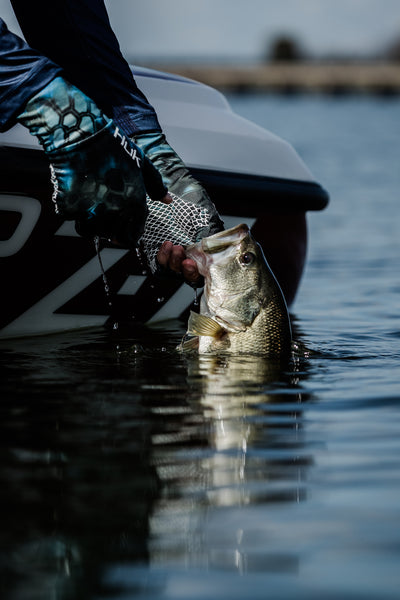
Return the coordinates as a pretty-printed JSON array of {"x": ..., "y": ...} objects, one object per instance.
[
  {"x": 99, "y": 176},
  {"x": 190, "y": 217}
]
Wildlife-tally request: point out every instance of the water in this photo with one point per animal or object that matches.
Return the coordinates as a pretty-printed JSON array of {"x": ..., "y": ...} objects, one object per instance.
[{"x": 128, "y": 471}]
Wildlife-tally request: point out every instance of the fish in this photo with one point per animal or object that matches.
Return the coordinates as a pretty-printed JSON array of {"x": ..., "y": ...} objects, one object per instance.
[{"x": 242, "y": 307}]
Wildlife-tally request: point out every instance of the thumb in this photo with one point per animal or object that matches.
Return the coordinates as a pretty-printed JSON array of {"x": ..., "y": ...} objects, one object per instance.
[{"x": 153, "y": 181}]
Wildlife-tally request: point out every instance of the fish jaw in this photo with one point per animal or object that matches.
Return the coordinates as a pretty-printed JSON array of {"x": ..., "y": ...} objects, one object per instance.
[{"x": 216, "y": 248}]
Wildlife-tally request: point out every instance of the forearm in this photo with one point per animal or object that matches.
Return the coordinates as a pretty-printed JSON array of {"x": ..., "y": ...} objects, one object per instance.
[
  {"x": 77, "y": 35},
  {"x": 23, "y": 72}
]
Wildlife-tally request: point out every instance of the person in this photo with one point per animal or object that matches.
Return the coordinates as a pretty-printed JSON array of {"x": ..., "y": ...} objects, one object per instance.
[{"x": 112, "y": 169}]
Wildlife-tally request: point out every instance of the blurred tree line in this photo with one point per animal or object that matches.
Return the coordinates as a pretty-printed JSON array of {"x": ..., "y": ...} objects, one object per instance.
[{"x": 287, "y": 48}]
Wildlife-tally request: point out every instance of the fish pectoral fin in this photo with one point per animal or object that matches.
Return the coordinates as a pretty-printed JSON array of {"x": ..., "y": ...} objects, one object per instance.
[
  {"x": 231, "y": 326},
  {"x": 203, "y": 325}
]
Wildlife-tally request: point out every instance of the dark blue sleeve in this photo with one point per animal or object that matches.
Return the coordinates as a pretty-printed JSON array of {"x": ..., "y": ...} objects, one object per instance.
[
  {"x": 77, "y": 35},
  {"x": 23, "y": 72}
]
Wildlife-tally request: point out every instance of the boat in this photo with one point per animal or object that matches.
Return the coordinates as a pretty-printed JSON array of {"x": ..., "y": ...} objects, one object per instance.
[{"x": 52, "y": 279}]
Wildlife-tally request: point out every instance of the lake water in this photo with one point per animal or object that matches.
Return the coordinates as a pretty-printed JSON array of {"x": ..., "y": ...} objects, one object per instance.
[{"x": 128, "y": 471}]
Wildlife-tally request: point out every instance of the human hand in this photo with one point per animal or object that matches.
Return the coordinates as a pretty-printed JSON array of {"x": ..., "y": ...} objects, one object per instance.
[
  {"x": 202, "y": 218},
  {"x": 100, "y": 177},
  {"x": 173, "y": 256},
  {"x": 190, "y": 217}
]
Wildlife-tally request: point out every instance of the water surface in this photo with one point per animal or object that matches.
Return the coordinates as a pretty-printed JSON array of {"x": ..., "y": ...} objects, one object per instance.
[{"x": 130, "y": 471}]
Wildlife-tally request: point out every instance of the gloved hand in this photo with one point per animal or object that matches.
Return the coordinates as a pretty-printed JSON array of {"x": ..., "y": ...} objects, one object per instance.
[
  {"x": 100, "y": 177},
  {"x": 190, "y": 217}
]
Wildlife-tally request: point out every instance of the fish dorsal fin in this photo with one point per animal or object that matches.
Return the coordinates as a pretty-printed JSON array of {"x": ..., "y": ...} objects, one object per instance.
[{"x": 203, "y": 325}]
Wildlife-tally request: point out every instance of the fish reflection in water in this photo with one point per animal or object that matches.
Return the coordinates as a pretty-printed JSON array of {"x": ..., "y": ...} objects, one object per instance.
[
  {"x": 166, "y": 468},
  {"x": 252, "y": 458}
]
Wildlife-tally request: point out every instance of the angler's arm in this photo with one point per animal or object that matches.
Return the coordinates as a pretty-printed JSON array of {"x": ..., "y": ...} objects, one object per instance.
[
  {"x": 23, "y": 73},
  {"x": 77, "y": 35}
]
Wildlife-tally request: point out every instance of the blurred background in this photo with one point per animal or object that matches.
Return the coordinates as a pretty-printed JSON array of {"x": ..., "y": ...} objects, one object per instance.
[
  {"x": 232, "y": 44},
  {"x": 226, "y": 31}
]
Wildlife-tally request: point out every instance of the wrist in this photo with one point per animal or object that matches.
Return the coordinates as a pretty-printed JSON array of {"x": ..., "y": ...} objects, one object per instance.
[{"x": 61, "y": 115}]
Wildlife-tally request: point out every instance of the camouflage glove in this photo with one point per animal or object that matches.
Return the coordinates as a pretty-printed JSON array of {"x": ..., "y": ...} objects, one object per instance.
[
  {"x": 100, "y": 177},
  {"x": 190, "y": 217}
]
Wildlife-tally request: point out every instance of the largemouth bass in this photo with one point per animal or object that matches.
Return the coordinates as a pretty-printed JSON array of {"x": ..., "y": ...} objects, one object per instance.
[{"x": 242, "y": 309}]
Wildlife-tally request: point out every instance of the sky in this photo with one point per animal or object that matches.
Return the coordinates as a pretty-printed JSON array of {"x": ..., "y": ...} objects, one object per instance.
[{"x": 231, "y": 30}]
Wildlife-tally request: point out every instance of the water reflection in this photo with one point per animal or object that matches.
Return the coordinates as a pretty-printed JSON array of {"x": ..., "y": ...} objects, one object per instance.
[
  {"x": 114, "y": 459},
  {"x": 77, "y": 485},
  {"x": 251, "y": 412}
]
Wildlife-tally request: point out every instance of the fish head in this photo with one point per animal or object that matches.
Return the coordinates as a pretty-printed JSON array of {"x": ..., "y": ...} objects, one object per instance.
[{"x": 237, "y": 279}]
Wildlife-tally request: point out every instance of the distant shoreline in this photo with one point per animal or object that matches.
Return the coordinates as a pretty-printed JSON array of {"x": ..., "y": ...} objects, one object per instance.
[{"x": 335, "y": 78}]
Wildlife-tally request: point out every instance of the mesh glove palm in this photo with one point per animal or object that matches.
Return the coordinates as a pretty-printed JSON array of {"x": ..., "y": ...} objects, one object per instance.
[{"x": 190, "y": 217}]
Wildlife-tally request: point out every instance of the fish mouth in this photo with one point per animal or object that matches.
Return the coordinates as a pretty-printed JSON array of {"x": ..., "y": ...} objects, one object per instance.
[
  {"x": 216, "y": 247},
  {"x": 224, "y": 239}
]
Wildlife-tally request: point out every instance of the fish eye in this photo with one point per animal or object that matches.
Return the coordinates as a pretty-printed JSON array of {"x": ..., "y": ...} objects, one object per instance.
[{"x": 247, "y": 258}]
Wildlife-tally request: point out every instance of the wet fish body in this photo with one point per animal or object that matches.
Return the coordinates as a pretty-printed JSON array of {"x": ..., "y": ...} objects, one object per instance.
[{"x": 242, "y": 309}]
